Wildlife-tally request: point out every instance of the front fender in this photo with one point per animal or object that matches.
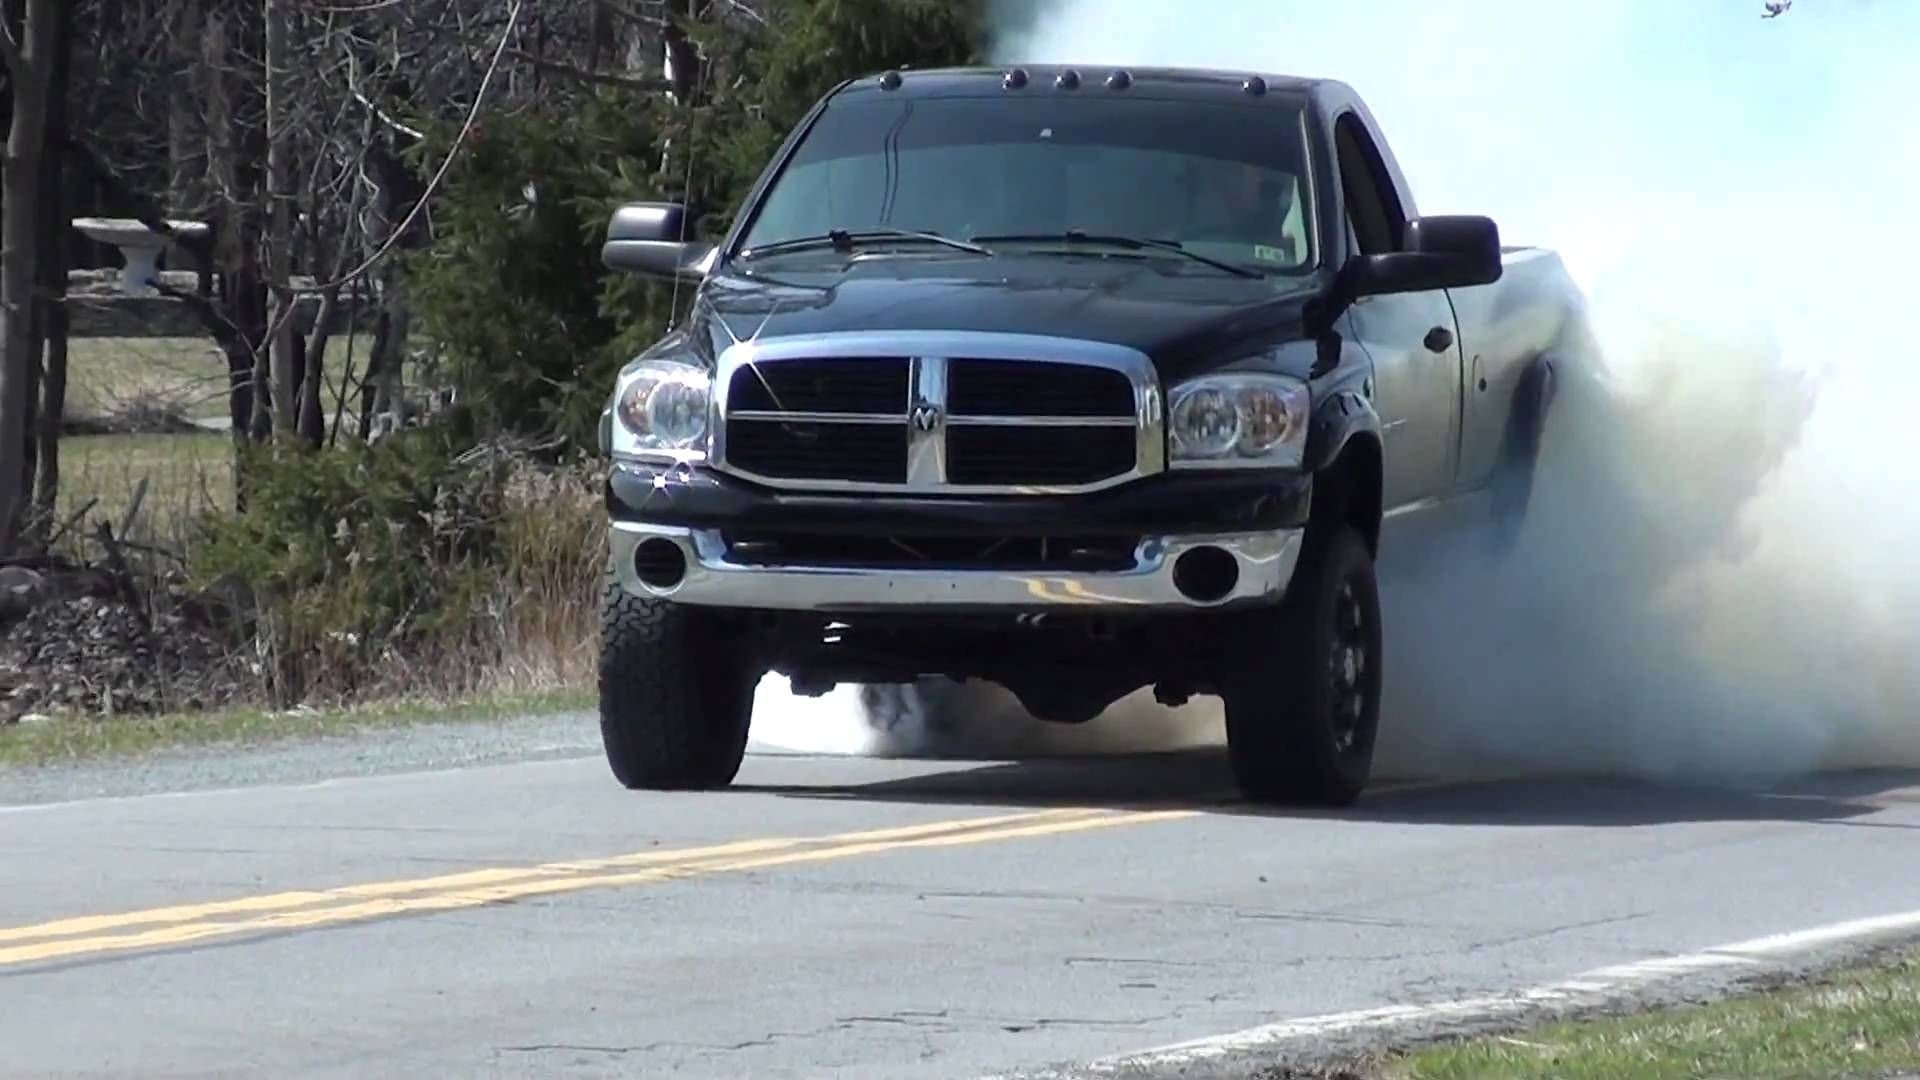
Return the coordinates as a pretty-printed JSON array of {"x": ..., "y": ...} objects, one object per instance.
[{"x": 1337, "y": 418}]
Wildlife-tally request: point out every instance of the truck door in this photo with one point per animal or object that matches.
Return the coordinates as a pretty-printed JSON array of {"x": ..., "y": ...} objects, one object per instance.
[{"x": 1411, "y": 337}]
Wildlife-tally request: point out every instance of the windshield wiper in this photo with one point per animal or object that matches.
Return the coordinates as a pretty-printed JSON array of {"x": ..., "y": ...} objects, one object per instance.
[
  {"x": 1130, "y": 243},
  {"x": 849, "y": 239}
]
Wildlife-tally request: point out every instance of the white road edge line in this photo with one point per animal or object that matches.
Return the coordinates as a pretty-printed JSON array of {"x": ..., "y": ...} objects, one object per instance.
[{"x": 1599, "y": 986}]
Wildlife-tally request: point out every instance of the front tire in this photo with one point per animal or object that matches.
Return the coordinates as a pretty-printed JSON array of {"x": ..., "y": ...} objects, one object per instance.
[
  {"x": 1303, "y": 706},
  {"x": 676, "y": 696}
]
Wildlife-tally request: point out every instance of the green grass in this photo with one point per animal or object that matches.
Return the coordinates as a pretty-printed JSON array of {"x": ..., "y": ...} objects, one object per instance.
[
  {"x": 78, "y": 738},
  {"x": 185, "y": 375},
  {"x": 105, "y": 375},
  {"x": 185, "y": 474},
  {"x": 1863, "y": 1022}
]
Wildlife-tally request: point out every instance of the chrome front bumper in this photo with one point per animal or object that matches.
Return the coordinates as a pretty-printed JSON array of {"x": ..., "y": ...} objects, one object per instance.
[{"x": 1263, "y": 563}]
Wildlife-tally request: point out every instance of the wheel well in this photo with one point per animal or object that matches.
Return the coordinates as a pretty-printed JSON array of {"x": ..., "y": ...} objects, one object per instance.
[
  {"x": 1531, "y": 402},
  {"x": 1348, "y": 491}
]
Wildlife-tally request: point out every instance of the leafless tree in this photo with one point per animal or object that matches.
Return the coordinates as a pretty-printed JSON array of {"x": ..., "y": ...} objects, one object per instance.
[
  {"x": 282, "y": 130},
  {"x": 289, "y": 126},
  {"x": 28, "y": 51}
]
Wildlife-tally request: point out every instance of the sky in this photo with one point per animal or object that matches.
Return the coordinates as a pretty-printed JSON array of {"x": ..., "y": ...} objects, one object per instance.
[{"x": 1562, "y": 117}]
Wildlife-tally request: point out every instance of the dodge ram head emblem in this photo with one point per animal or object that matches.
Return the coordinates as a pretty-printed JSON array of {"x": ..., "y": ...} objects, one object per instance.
[{"x": 925, "y": 417}]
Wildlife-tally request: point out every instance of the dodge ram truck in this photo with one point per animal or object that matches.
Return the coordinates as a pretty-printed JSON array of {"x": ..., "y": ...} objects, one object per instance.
[{"x": 1077, "y": 380}]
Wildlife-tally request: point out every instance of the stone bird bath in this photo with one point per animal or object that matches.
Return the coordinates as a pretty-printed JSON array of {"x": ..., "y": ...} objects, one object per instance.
[{"x": 139, "y": 246}]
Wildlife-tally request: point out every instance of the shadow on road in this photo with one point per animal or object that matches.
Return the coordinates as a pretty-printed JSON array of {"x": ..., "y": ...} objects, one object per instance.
[{"x": 1201, "y": 780}]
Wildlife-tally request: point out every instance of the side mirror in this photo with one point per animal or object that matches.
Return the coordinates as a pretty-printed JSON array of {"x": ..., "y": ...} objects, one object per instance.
[
  {"x": 644, "y": 238},
  {"x": 1453, "y": 251}
]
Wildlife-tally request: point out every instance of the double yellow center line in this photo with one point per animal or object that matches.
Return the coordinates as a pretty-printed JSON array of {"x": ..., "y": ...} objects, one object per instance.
[{"x": 170, "y": 927}]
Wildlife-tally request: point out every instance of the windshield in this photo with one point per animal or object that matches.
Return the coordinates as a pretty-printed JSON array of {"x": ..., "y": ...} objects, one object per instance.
[{"x": 1223, "y": 181}]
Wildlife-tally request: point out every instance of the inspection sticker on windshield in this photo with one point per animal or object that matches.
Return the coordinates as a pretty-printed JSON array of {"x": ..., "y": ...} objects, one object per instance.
[{"x": 1270, "y": 254}]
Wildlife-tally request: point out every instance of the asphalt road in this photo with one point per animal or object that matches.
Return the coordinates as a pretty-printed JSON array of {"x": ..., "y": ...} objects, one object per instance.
[{"x": 850, "y": 917}]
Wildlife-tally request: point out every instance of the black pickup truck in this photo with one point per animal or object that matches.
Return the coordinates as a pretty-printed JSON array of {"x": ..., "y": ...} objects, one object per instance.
[{"x": 1075, "y": 380}]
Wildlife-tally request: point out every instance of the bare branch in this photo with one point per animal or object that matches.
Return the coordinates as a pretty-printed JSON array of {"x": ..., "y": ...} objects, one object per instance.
[
  {"x": 453, "y": 154},
  {"x": 353, "y": 88},
  {"x": 627, "y": 14},
  {"x": 598, "y": 78}
]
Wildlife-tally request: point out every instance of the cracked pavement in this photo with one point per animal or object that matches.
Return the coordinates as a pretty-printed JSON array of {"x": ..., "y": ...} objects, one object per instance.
[{"x": 1014, "y": 946}]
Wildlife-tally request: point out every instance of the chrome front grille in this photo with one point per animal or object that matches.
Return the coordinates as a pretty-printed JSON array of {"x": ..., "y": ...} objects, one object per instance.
[
  {"x": 1020, "y": 554},
  {"x": 937, "y": 412}
]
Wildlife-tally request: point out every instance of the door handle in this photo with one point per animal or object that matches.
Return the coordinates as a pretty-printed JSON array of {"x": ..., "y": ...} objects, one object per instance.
[{"x": 1439, "y": 339}]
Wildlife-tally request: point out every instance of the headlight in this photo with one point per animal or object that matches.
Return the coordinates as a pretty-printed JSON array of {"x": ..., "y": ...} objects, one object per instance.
[
  {"x": 1238, "y": 421},
  {"x": 660, "y": 412}
]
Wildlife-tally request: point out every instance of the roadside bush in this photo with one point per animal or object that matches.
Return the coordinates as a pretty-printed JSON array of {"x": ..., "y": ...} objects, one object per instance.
[{"x": 409, "y": 565}]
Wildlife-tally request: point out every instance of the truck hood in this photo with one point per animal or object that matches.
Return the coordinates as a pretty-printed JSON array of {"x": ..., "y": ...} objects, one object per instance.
[{"x": 1187, "y": 319}]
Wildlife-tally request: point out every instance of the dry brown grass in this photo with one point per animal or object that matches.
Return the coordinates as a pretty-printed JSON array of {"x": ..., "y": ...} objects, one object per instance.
[{"x": 547, "y": 615}]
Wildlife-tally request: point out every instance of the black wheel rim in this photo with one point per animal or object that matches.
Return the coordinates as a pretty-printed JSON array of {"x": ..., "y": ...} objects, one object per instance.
[{"x": 1349, "y": 666}]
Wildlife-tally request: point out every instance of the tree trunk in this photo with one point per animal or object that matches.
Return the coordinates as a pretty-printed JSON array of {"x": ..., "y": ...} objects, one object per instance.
[
  {"x": 52, "y": 325},
  {"x": 53, "y": 407},
  {"x": 30, "y": 425},
  {"x": 16, "y": 19},
  {"x": 376, "y": 357},
  {"x": 313, "y": 415},
  {"x": 398, "y": 190},
  {"x": 28, "y": 64},
  {"x": 682, "y": 55},
  {"x": 185, "y": 159},
  {"x": 234, "y": 147},
  {"x": 380, "y": 390},
  {"x": 284, "y": 351}
]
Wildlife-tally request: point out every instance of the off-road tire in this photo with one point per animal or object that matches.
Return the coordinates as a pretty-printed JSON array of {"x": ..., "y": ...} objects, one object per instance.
[
  {"x": 1511, "y": 486},
  {"x": 1510, "y": 490},
  {"x": 1303, "y": 700},
  {"x": 676, "y": 696}
]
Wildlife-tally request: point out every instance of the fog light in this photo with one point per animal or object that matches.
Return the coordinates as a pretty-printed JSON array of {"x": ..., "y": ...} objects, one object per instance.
[
  {"x": 1206, "y": 575},
  {"x": 659, "y": 564}
]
